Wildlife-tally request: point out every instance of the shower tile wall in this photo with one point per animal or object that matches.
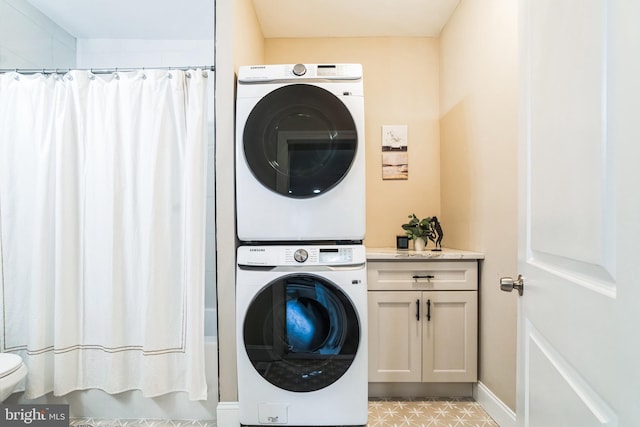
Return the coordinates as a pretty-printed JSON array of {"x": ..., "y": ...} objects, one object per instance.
[
  {"x": 101, "y": 53},
  {"x": 29, "y": 39}
]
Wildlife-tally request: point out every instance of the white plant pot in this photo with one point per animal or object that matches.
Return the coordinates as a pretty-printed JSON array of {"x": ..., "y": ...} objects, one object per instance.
[{"x": 419, "y": 244}]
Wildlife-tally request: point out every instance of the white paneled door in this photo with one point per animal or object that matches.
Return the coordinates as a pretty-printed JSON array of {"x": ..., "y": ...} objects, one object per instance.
[{"x": 579, "y": 345}]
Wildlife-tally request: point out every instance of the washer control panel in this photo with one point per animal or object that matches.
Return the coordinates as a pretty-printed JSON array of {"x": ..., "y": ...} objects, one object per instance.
[
  {"x": 301, "y": 255},
  {"x": 320, "y": 256}
]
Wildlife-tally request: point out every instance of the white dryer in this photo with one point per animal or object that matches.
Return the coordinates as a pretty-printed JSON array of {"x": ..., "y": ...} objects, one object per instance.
[
  {"x": 300, "y": 165},
  {"x": 302, "y": 335}
]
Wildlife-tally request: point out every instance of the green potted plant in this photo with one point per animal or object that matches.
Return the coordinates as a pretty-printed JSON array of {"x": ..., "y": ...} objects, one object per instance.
[{"x": 419, "y": 230}]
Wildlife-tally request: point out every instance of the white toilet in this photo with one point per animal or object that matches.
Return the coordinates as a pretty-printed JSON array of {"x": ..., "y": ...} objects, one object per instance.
[{"x": 12, "y": 371}]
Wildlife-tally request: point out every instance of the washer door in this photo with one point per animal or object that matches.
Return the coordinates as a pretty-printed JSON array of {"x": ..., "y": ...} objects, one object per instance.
[
  {"x": 300, "y": 141},
  {"x": 301, "y": 333}
]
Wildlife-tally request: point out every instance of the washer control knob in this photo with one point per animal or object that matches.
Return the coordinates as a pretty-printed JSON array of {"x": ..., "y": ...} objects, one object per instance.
[
  {"x": 300, "y": 255},
  {"x": 299, "y": 70}
]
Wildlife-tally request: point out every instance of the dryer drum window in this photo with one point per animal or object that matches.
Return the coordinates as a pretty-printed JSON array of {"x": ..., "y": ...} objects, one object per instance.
[
  {"x": 301, "y": 333},
  {"x": 300, "y": 141}
]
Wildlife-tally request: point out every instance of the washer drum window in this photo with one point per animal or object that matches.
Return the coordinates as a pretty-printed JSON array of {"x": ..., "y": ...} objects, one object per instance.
[{"x": 301, "y": 333}]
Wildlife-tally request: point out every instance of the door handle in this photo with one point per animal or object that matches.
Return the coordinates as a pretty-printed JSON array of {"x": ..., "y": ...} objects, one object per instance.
[
  {"x": 428, "y": 310},
  {"x": 418, "y": 309},
  {"x": 507, "y": 284}
]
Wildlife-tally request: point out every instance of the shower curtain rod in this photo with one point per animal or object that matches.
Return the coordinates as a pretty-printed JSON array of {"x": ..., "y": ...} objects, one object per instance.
[{"x": 99, "y": 70}]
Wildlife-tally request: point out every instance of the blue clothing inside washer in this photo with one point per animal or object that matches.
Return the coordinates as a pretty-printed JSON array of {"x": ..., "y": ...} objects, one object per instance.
[{"x": 315, "y": 322}]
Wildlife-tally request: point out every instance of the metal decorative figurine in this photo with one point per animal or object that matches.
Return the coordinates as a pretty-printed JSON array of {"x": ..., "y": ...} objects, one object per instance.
[{"x": 435, "y": 226}]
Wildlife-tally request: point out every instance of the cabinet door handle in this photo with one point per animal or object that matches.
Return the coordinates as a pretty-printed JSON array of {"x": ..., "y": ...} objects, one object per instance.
[
  {"x": 428, "y": 310},
  {"x": 418, "y": 310},
  {"x": 428, "y": 277}
]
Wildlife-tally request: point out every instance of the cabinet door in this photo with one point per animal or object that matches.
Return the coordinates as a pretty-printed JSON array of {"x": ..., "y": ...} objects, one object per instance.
[
  {"x": 450, "y": 336},
  {"x": 395, "y": 350}
]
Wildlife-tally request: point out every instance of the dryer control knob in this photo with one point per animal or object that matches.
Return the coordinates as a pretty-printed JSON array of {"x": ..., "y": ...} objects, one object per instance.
[
  {"x": 300, "y": 255},
  {"x": 299, "y": 70}
]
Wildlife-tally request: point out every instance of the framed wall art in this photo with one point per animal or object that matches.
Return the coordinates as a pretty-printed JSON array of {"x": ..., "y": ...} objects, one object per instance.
[{"x": 395, "y": 157}]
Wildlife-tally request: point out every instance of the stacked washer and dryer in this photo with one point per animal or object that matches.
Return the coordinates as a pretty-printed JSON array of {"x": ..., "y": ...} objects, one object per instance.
[{"x": 301, "y": 297}]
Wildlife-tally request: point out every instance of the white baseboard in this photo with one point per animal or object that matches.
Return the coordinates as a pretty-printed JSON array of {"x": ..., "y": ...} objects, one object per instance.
[
  {"x": 501, "y": 413},
  {"x": 228, "y": 414}
]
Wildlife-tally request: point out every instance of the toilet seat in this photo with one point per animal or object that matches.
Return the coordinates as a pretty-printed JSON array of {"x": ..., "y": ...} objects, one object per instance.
[{"x": 9, "y": 363}]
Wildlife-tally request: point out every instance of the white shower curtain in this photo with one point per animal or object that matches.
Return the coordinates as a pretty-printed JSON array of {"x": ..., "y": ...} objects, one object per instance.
[{"x": 102, "y": 222}]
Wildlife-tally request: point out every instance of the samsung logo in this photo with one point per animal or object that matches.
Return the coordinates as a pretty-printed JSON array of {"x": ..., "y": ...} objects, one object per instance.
[{"x": 257, "y": 250}]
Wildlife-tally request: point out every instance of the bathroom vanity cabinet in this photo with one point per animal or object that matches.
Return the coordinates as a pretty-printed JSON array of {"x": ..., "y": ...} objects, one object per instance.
[{"x": 423, "y": 316}]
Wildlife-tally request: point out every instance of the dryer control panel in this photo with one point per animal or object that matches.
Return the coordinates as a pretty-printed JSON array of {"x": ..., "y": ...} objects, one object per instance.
[
  {"x": 287, "y": 72},
  {"x": 301, "y": 255}
]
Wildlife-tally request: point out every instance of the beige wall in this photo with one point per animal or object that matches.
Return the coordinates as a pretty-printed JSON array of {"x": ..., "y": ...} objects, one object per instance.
[
  {"x": 401, "y": 88},
  {"x": 479, "y": 132},
  {"x": 238, "y": 40},
  {"x": 225, "y": 193},
  {"x": 248, "y": 42}
]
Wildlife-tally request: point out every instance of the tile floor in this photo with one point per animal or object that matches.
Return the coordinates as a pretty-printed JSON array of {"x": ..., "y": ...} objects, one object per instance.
[
  {"x": 92, "y": 422},
  {"x": 428, "y": 412},
  {"x": 387, "y": 412}
]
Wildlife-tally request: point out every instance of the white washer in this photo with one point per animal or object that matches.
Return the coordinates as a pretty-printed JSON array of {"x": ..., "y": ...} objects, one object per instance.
[
  {"x": 300, "y": 166},
  {"x": 302, "y": 335}
]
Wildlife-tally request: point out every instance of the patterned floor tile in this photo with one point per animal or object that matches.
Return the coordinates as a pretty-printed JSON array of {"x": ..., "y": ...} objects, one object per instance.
[
  {"x": 425, "y": 412},
  {"x": 388, "y": 412}
]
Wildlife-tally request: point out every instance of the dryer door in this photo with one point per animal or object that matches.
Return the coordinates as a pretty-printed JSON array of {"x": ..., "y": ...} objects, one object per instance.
[
  {"x": 300, "y": 141},
  {"x": 301, "y": 333}
]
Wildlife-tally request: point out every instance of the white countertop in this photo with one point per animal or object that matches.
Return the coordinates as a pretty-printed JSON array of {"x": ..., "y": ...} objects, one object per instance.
[{"x": 391, "y": 254}]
